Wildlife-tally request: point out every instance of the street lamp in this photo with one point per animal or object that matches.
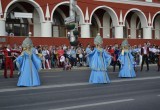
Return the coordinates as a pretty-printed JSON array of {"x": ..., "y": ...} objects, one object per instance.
[
  {"x": 129, "y": 36},
  {"x": 139, "y": 36},
  {"x": 68, "y": 35},
  {"x": 30, "y": 33}
]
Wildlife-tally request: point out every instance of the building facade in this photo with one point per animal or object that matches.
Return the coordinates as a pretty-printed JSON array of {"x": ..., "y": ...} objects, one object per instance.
[{"x": 111, "y": 18}]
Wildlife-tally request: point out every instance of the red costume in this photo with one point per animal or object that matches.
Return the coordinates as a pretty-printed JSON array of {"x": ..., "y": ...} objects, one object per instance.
[{"x": 8, "y": 61}]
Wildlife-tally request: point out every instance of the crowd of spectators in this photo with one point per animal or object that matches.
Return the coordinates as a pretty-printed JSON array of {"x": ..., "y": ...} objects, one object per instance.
[{"x": 68, "y": 57}]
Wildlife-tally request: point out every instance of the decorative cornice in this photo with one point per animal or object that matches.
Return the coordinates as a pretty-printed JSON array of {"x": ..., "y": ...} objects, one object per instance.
[{"x": 141, "y": 3}]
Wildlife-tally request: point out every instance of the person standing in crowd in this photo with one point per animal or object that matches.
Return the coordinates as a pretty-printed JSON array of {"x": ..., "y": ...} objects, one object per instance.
[
  {"x": 73, "y": 58},
  {"x": 46, "y": 57},
  {"x": 127, "y": 62},
  {"x": 99, "y": 60},
  {"x": 7, "y": 51},
  {"x": 158, "y": 56},
  {"x": 115, "y": 57},
  {"x": 1, "y": 57},
  {"x": 145, "y": 55},
  {"x": 28, "y": 64},
  {"x": 60, "y": 55},
  {"x": 79, "y": 55},
  {"x": 88, "y": 51}
]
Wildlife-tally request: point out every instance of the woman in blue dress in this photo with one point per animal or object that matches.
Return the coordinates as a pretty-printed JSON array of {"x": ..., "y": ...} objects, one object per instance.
[
  {"x": 99, "y": 60},
  {"x": 127, "y": 62},
  {"x": 28, "y": 64}
]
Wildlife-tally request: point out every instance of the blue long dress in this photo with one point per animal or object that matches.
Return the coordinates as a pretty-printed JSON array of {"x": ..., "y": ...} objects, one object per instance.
[
  {"x": 28, "y": 65},
  {"x": 99, "y": 60},
  {"x": 127, "y": 65}
]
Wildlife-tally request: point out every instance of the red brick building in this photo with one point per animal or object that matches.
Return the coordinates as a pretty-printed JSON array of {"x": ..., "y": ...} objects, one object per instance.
[{"x": 113, "y": 19}]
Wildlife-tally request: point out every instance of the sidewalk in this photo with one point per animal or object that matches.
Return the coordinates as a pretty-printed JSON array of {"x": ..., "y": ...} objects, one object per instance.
[
  {"x": 61, "y": 69},
  {"x": 73, "y": 69},
  {"x": 52, "y": 70}
]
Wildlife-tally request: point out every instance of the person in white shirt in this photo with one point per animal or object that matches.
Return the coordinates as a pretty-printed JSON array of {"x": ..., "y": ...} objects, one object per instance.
[
  {"x": 145, "y": 55},
  {"x": 46, "y": 57}
]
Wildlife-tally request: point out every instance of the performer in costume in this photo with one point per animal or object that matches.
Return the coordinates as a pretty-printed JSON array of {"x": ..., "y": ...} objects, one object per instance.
[
  {"x": 145, "y": 56},
  {"x": 127, "y": 62},
  {"x": 88, "y": 51},
  {"x": 8, "y": 60},
  {"x": 28, "y": 64},
  {"x": 99, "y": 60}
]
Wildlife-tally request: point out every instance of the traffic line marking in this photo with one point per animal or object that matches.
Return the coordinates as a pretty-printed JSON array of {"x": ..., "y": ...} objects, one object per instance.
[{"x": 94, "y": 104}]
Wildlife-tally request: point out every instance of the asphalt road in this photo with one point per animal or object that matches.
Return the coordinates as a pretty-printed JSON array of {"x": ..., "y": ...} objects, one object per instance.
[{"x": 70, "y": 90}]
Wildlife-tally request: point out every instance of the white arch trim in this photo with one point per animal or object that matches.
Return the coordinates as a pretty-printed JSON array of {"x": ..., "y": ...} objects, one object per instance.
[
  {"x": 154, "y": 17},
  {"x": 67, "y": 2},
  {"x": 61, "y": 13},
  {"x": 97, "y": 20},
  {"x": 138, "y": 25},
  {"x": 111, "y": 12},
  {"x": 140, "y": 14},
  {"x": 127, "y": 25},
  {"x": 35, "y": 4}
]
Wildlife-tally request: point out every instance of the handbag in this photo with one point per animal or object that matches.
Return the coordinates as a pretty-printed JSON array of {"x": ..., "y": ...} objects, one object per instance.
[{"x": 47, "y": 56}]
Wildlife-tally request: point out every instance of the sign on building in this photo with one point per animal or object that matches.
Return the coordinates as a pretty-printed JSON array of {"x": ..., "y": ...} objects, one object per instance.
[
  {"x": 69, "y": 19},
  {"x": 23, "y": 15}
]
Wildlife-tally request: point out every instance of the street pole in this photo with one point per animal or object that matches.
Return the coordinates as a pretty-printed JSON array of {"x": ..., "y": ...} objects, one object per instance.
[{"x": 72, "y": 13}]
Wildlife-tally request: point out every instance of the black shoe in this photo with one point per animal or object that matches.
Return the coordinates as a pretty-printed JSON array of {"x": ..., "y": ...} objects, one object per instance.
[{"x": 5, "y": 77}]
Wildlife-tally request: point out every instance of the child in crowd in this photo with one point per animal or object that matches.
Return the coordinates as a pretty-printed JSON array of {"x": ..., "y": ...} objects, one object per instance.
[{"x": 67, "y": 64}]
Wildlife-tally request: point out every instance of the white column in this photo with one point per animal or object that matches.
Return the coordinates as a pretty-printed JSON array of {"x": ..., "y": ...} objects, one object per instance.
[
  {"x": 37, "y": 24},
  {"x": 119, "y": 32},
  {"x": 2, "y": 27},
  {"x": 85, "y": 30},
  {"x": 46, "y": 29},
  {"x": 147, "y": 33}
]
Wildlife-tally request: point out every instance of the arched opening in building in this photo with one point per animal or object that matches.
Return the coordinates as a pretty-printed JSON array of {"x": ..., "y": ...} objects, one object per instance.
[
  {"x": 59, "y": 14},
  {"x": 94, "y": 27},
  {"x": 22, "y": 25},
  {"x": 108, "y": 28},
  {"x": 58, "y": 25},
  {"x": 106, "y": 19},
  {"x": 156, "y": 27},
  {"x": 137, "y": 24},
  {"x": 133, "y": 27}
]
